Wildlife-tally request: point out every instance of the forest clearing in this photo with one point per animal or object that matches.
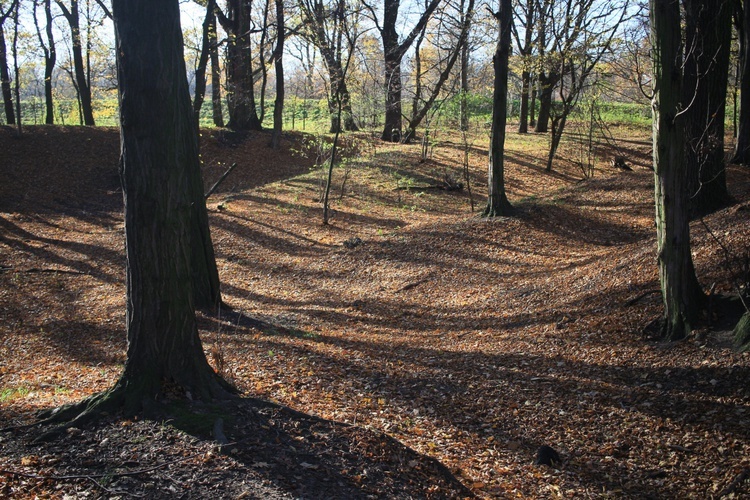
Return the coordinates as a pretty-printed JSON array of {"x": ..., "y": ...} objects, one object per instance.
[{"x": 410, "y": 349}]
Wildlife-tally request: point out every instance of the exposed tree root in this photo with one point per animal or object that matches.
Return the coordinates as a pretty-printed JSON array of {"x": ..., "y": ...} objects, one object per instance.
[
  {"x": 123, "y": 398},
  {"x": 502, "y": 211}
]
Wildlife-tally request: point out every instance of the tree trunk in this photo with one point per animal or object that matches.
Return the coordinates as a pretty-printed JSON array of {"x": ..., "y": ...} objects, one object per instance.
[
  {"x": 742, "y": 148},
  {"x": 278, "y": 109},
  {"x": 497, "y": 203},
  {"x": 393, "y": 53},
  {"x": 200, "y": 71},
  {"x": 82, "y": 84},
  {"x": 708, "y": 36},
  {"x": 464, "y": 85},
  {"x": 681, "y": 292},
  {"x": 547, "y": 88},
  {"x": 159, "y": 169},
  {"x": 393, "y": 126},
  {"x": 741, "y": 333},
  {"x": 10, "y": 115},
  {"x": 243, "y": 114},
  {"x": 528, "y": 26},
  {"x": 216, "y": 108},
  {"x": 50, "y": 57},
  {"x": 523, "y": 119}
]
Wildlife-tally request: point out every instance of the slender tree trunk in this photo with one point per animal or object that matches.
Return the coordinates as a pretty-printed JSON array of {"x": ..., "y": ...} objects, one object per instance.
[
  {"x": 200, "y": 70},
  {"x": 742, "y": 148},
  {"x": 532, "y": 105},
  {"x": 547, "y": 87},
  {"x": 82, "y": 85},
  {"x": 216, "y": 107},
  {"x": 50, "y": 57},
  {"x": 464, "y": 84},
  {"x": 393, "y": 53},
  {"x": 10, "y": 115},
  {"x": 278, "y": 109},
  {"x": 497, "y": 203},
  {"x": 523, "y": 119},
  {"x": 681, "y": 292},
  {"x": 17, "y": 89}
]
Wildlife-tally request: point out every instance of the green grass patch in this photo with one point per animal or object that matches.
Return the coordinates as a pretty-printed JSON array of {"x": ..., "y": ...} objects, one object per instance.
[{"x": 8, "y": 394}]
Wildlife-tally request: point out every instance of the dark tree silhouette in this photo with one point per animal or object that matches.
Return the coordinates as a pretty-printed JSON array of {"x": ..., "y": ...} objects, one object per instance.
[
  {"x": 82, "y": 85},
  {"x": 50, "y": 57},
  {"x": 394, "y": 50},
  {"x": 708, "y": 27},
  {"x": 497, "y": 203},
  {"x": 158, "y": 167},
  {"x": 10, "y": 115},
  {"x": 742, "y": 24},
  {"x": 243, "y": 114},
  {"x": 681, "y": 291}
]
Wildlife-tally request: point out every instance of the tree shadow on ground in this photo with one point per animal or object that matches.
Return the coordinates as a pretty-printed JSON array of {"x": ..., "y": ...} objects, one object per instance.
[{"x": 269, "y": 451}]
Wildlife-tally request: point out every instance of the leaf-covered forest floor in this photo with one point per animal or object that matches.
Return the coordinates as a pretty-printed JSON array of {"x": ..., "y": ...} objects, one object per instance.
[{"x": 434, "y": 351}]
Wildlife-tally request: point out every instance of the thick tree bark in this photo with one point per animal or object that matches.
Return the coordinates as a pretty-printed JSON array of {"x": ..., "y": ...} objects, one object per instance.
[
  {"x": 243, "y": 114},
  {"x": 82, "y": 85},
  {"x": 681, "y": 292},
  {"x": 10, "y": 115},
  {"x": 497, "y": 203},
  {"x": 742, "y": 148},
  {"x": 708, "y": 37},
  {"x": 159, "y": 169},
  {"x": 158, "y": 165}
]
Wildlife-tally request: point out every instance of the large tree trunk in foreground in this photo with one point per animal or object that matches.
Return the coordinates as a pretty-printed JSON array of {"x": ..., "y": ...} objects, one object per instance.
[
  {"x": 708, "y": 27},
  {"x": 158, "y": 166},
  {"x": 160, "y": 171},
  {"x": 497, "y": 203},
  {"x": 681, "y": 292}
]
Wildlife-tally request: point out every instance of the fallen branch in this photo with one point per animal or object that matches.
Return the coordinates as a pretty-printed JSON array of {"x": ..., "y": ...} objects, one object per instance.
[
  {"x": 414, "y": 284},
  {"x": 40, "y": 270},
  {"x": 639, "y": 297},
  {"x": 738, "y": 479},
  {"x": 221, "y": 179},
  {"x": 428, "y": 187}
]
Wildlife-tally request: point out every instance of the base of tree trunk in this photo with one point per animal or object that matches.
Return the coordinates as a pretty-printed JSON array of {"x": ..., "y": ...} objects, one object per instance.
[
  {"x": 742, "y": 333},
  {"x": 129, "y": 398},
  {"x": 502, "y": 209}
]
